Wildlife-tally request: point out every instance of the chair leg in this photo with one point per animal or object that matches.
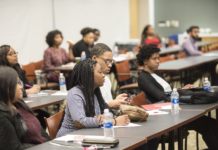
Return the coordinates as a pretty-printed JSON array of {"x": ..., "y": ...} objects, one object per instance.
[
  {"x": 186, "y": 143},
  {"x": 163, "y": 142},
  {"x": 197, "y": 144},
  {"x": 171, "y": 140}
]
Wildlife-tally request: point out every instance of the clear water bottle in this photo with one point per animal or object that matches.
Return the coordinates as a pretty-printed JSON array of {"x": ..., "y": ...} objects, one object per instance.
[
  {"x": 175, "y": 102},
  {"x": 108, "y": 124},
  {"x": 207, "y": 84},
  {"x": 163, "y": 43},
  {"x": 83, "y": 55},
  {"x": 62, "y": 83},
  {"x": 115, "y": 51}
]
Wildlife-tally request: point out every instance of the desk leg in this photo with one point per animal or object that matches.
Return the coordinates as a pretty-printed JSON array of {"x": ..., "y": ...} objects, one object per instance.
[
  {"x": 209, "y": 114},
  {"x": 163, "y": 139},
  {"x": 180, "y": 140},
  {"x": 217, "y": 120},
  {"x": 171, "y": 140}
]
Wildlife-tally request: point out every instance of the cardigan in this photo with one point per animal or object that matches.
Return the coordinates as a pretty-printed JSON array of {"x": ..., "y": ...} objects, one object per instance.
[
  {"x": 153, "y": 90},
  {"x": 13, "y": 131}
]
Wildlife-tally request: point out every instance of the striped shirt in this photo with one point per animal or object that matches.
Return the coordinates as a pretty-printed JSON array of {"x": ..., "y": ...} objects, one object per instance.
[{"x": 75, "y": 111}]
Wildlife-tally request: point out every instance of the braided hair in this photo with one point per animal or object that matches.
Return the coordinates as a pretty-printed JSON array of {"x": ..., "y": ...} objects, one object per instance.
[
  {"x": 146, "y": 52},
  {"x": 83, "y": 76}
]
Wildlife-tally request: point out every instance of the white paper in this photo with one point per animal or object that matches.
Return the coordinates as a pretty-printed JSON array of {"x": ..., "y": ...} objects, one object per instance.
[
  {"x": 166, "y": 107},
  {"x": 38, "y": 95},
  {"x": 210, "y": 54},
  {"x": 68, "y": 138},
  {"x": 28, "y": 101},
  {"x": 59, "y": 93},
  {"x": 157, "y": 112},
  {"x": 129, "y": 125}
]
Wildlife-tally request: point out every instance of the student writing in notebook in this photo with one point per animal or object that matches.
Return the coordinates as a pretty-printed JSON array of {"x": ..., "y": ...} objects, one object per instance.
[{"x": 8, "y": 57}]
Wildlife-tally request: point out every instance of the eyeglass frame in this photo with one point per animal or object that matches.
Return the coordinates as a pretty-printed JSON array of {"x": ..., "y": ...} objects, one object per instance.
[
  {"x": 105, "y": 60},
  {"x": 16, "y": 53}
]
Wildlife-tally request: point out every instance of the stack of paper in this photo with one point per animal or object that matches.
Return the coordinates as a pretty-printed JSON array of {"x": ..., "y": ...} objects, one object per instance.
[
  {"x": 59, "y": 93},
  {"x": 38, "y": 95},
  {"x": 129, "y": 125}
]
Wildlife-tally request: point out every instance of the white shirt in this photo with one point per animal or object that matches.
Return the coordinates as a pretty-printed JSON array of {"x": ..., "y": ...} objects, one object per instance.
[
  {"x": 162, "y": 82},
  {"x": 106, "y": 90}
]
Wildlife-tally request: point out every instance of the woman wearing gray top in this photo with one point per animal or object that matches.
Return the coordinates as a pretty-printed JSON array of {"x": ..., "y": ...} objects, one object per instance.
[{"x": 84, "y": 103}]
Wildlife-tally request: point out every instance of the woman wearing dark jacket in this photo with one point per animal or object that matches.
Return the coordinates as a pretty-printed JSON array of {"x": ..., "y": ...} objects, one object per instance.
[
  {"x": 8, "y": 57},
  {"x": 19, "y": 128},
  {"x": 156, "y": 89}
]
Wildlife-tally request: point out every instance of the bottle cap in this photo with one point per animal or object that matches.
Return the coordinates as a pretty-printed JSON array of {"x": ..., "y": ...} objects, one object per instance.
[
  {"x": 174, "y": 89},
  {"x": 206, "y": 79},
  {"x": 106, "y": 110}
]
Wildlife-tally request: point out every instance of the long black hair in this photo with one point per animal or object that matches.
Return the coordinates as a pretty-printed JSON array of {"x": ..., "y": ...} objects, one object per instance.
[
  {"x": 144, "y": 34},
  {"x": 4, "y": 49},
  {"x": 8, "y": 80},
  {"x": 83, "y": 76}
]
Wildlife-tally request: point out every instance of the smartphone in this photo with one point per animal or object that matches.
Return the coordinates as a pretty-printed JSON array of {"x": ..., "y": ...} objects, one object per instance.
[{"x": 130, "y": 97}]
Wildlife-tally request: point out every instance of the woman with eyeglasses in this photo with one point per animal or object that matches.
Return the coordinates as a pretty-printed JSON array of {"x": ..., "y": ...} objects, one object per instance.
[
  {"x": 19, "y": 128},
  {"x": 8, "y": 57}
]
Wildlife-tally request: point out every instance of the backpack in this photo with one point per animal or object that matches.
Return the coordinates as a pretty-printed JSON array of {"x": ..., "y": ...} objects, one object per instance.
[{"x": 197, "y": 96}]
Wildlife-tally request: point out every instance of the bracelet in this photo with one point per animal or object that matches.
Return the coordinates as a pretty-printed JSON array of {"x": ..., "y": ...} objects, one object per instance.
[{"x": 115, "y": 121}]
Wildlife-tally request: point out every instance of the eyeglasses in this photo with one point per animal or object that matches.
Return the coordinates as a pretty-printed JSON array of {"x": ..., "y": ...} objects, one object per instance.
[
  {"x": 13, "y": 54},
  {"x": 108, "y": 61}
]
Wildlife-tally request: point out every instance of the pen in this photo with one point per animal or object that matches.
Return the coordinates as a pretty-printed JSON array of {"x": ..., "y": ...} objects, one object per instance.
[{"x": 28, "y": 86}]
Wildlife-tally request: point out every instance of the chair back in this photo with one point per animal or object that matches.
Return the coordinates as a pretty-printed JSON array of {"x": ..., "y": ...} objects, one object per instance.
[
  {"x": 123, "y": 67},
  {"x": 167, "y": 58},
  {"x": 182, "y": 55},
  {"x": 38, "y": 65},
  {"x": 138, "y": 100},
  {"x": 53, "y": 123},
  {"x": 30, "y": 71},
  {"x": 123, "y": 51},
  {"x": 136, "y": 49}
]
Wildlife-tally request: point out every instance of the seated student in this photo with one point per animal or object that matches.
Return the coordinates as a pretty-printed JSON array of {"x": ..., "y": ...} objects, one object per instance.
[
  {"x": 85, "y": 104},
  {"x": 148, "y": 36},
  {"x": 8, "y": 57},
  {"x": 85, "y": 44},
  {"x": 155, "y": 88},
  {"x": 104, "y": 56},
  {"x": 96, "y": 34},
  {"x": 189, "y": 44},
  {"x": 19, "y": 128},
  {"x": 54, "y": 55}
]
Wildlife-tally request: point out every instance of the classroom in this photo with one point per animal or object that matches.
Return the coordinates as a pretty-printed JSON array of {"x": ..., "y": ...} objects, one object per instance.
[{"x": 108, "y": 74}]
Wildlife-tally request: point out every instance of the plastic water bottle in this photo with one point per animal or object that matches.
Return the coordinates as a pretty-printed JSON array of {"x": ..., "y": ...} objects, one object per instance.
[
  {"x": 83, "y": 55},
  {"x": 175, "y": 102},
  {"x": 62, "y": 83},
  {"x": 163, "y": 43},
  {"x": 115, "y": 51},
  {"x": 108, "y": 124},
  {"x": 207, "y": 84}
]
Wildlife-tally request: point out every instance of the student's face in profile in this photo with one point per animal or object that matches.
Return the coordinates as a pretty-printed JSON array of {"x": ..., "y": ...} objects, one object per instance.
[
  {"x": 103, "y": 60},
  {"x": 153, "y": 62},
  {"x": 18, "y": 92},
  {"x": 97, "y": 35},
  {"x": 150, "y": 31},
  {"x": 98, "y": 76},
  {"x": 12, "y": 57},
  {"x": 194, "y": 33},
  {"x": 58, "y": 40},
  {"x": 89, "y": 38}
]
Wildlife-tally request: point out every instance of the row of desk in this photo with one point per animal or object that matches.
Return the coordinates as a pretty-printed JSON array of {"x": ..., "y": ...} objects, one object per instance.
[{"x": 155, "y": 126}]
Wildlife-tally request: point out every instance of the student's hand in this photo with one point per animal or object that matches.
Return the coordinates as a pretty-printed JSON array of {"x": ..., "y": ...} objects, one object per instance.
[
  {"x": 70, "y": 43},
  {"x": 35, "y": 89},
  {"x": 122, "y": 96},
  {"x": 122, "y": 120},
  {"x": 115, "y": 104},
  {"x": 37, "y": 86},
  {"x": 188, "y": 86},
  {"x": 100, "y": 119}
]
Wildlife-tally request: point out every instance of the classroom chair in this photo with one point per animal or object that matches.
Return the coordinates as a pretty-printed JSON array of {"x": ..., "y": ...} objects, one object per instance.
[
  {"x": 123, "y": 51},
  {"x": 181, "y": 55},
  {"x": 52, "y": 124},
  {"x": 30, "y": 73},
  {"x": 126, "y": 80}
]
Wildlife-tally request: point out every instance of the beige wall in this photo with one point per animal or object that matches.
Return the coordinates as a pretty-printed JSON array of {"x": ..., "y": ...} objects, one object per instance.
[{"x": 139, "y": 17}]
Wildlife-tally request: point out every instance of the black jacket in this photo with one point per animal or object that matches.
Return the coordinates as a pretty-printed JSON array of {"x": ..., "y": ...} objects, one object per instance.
[
  {"x": 153, "y": 90},
  {"x": 79, "y": 47},
  {"x": 13, "y": 130}
]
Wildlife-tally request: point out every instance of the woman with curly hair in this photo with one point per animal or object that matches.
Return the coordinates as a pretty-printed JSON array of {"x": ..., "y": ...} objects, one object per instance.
[
  {"x": 54, "y": 55},
  {"x": 85, "y": 44},
  {"x": 156, "y": 89}
]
